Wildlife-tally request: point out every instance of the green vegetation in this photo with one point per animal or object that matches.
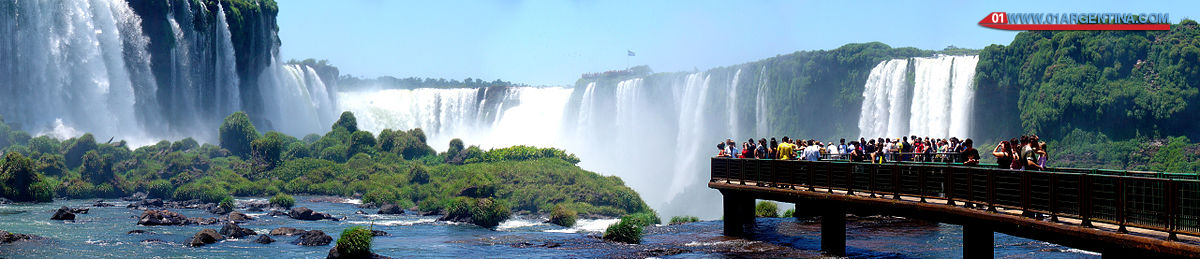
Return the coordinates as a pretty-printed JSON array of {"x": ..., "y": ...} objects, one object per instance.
[
  {"x": 355, "y": 242},
  {"x": 626, "y": 231},
  {"x": 563, "y": 216},
  {"x": 1107, "y": 99},
  {"x": 766, "y": 209},
  {"x": 388, "y": 82},
  {"x": 683, "y": 219},
  {"x": 395, "y": 167},
  {"x": 226, "y": 204},
  {"x": 642, "y": 219},
  {"x": 789, "y": 213},
  {"x": 283, "y": 200}
]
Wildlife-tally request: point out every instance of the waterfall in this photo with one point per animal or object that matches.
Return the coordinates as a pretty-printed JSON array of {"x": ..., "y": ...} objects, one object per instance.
[
  {"x": 760, "y": 104},
  {"x": 691, "y": 131},
  {"x": 83, "y": 63},
  {"x": 939, "y": 104},
  {"x": 225, "y": 70},
  {"x": 731, "y": 104}
]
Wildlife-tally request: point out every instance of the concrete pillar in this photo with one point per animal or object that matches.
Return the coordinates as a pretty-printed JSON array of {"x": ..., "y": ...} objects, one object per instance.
[
  {"x": 833, "y": 229},
  {"x": 739, "y": 213},
  {"x": 978, "y": 240}
]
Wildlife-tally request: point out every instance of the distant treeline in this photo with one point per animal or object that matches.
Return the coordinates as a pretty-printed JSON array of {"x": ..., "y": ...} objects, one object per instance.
[{"x": 349, "y": 82}]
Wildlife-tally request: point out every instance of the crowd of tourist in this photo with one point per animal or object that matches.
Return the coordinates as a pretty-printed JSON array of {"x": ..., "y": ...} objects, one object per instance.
[{"x": 1024, "y": 153}]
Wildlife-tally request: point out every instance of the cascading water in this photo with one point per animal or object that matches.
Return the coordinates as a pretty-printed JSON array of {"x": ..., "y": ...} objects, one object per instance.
[
  {"x": 731, "y": 104},
  {"x": 760, "y": 104},
  {"x": 86, "y": 66},
  {"x": 939, "y": 103},
  {"x": 83, "y": 63},
  {"x": 691, "y": 129}
]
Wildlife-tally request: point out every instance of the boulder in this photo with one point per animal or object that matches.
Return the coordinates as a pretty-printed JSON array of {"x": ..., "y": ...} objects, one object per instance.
[
  {"x": 5, "y": 201},
  {"x": 237, "y": 217},
  {"x": 202, "y": 221},
  {"x": 286, "y": 231},
  {"x": 78, "y": 210},
  {"x": 234, "y": 231},
  {"x": 139, "y": 231},
  {"x": 303, "y": 213},
  {"x": 147, "y": 203},
  {"x": 161, "y": 218},
  {"x": 204, "y": 237},
  {"x": 219, "y": 210},
  {"x": 257, "y": 206},
  {"x": 6, "y": 237},
  {"x": 63, "y": 213},
  {"x": 102, "y": 204},
  {"x": 379, "y": 233},
  {"x": 137, "y": 196},
  {"x": 264, "y": 239},
  {"x": 313, "y": 238},
  {"x": 277, "y": 213},
  {"x": 335, "y": 254},
  {"x": 390, "y": 209}
]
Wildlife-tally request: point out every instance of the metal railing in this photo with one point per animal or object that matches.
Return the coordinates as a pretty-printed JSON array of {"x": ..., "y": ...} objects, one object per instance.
[{"x": 1158, "y": 201}]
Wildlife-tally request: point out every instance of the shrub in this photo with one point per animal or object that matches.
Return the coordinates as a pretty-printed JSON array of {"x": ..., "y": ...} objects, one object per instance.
[
  {"x": 789, "y": 213},
  {"x": 21, "y": 182},
  {"x": 683, "y": 219},
  {"x": 160, "y": 189},
  {"x": 226, "y": 204},
  {"x": 96, "y": 168},
  {"x": 489, "y": 213},
  {"x": 766, "y": 209},
  {"x": 380, "y": 196},
  {"x": 347, "y": 122},
  {"x": 456, "y": 145},
  {"x": 626, "y": 231},
  {"x": 78, "y": 148},
  {"x": 201, "y": 191},
  {"x": 360, "y": 142},
  {"x": 563, "y": 216},
  {"x": 418, "y": 174},
  {"x": 236, "y": 134},
  {"x": 642, "y": 218},
  {"x": 355, "y": 242},
  {"x": 283, "y": 200},
  {"x": 266, "y": 152}
]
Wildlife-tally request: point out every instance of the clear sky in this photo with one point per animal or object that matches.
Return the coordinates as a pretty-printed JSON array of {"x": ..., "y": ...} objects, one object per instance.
[{"x": 553, "y": 42}]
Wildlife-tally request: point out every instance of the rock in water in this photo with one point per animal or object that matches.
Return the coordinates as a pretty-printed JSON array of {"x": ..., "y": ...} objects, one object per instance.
[
  {"x": 313, "y": 238},
  {"x": 137, "y": 196},
  {"x": 204, "y": 237},
  {"x": 101, "y": 204},
  {"x": 286, "y": 231},
  {"x": 235, "y": 231},
  {"x": 379, "y": 233},
  {"x": 139, "y": 231},
  {"x": 390, "y": 209},
  {"x": 161, "y": 218},
  {"x": 303, "y": 213},
  {"x": 63, "y": 213},
  {"x": 6, "y": 237},
  {"x": 237, "y": 217},
  {"x": 335, "y": 254},
  {"x": 264, "y": 239}
]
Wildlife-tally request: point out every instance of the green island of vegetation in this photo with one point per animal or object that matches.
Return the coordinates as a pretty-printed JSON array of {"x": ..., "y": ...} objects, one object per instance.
[{"x": 393, "y": 167}]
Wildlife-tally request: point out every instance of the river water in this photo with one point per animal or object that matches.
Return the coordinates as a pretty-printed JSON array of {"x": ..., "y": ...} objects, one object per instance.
[{"x": 102, "y": 234}]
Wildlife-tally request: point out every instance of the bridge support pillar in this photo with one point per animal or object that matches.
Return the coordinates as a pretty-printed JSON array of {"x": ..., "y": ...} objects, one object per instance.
[
  {"x": 833, "y": 229},
  {"x": 978, "y": 240},
  {"x": 739, "y": 213}
]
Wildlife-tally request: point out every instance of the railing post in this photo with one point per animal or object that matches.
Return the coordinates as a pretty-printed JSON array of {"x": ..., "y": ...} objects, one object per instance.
[
  {"x": 828, "y": 177},
  {"x": 1121, "y": 217},
  {"x": 1085, "y": 200},
  {"x": 970, "y": 188},
  {"x": 871, "y": 182},
  {"x": 1172, "y": 209},
  {"x": 949, "y": 182},
  {"x": 895, "y": 181},
  {"x": 850, "y": 178},
  {"x": 812, "y": 178},
  {"x": 1026, "y": 192},
  {"x": 921, "y": 175},
  {"x": 1053, "y": 197},
  {"x": 991, "y": 190}
]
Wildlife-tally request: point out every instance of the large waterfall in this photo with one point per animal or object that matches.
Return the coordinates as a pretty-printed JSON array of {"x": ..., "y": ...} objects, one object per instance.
[
  {"x": 935, "y": 103},
  {"x": 75, "y": 66}
]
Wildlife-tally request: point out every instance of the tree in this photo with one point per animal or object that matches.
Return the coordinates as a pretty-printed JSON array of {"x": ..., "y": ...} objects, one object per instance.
[
  {"x": 266, "y": 152},
  {"x": 21, "y": 182},
  {"x": 96, "y": 168},
  {"x": 360, "y": 141},
  {"x": 347, "y": 122},
  {"x": 237, "y": 133},
  {"x": 81, "y": 146}
]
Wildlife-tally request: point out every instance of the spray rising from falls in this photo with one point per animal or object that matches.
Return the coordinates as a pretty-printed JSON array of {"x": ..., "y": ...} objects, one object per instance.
[{"x": 936, "y": 103}]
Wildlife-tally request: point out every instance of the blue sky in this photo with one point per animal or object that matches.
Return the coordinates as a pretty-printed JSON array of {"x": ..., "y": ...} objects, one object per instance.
[{"x": 553, "y": 42}]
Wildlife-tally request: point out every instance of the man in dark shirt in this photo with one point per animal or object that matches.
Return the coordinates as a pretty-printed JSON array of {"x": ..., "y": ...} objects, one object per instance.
[{"x": 970, "y": 155}]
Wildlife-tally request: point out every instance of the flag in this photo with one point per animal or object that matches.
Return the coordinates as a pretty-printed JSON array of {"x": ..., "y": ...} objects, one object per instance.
[{"x": 631, "y": 53}]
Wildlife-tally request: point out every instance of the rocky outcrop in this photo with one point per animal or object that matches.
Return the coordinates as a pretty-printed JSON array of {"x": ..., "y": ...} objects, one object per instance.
[
  {"x": 390, "y": 209},
  {"x": 102, "y": 204},
  {"x": 286, "y": 231},
  {"x": 146, "y": 204},
  {"x": 204, "y": 237},
  {"x": 234, "y": 231},
  {"x": 169, "y": 218},
  {"x": 139, "y": 231},
  {"x": 236, "y": 217},
  {"x": 334, "y": 253},
  {"x": 379, "y": 233},
  {"x": 304, "y": 213},
  {"x": 313, "y": 238},
  {"x": 264, "y": 239},
  {"x": 6, "y": 237},
  {"x": 63, "y": 213}
]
